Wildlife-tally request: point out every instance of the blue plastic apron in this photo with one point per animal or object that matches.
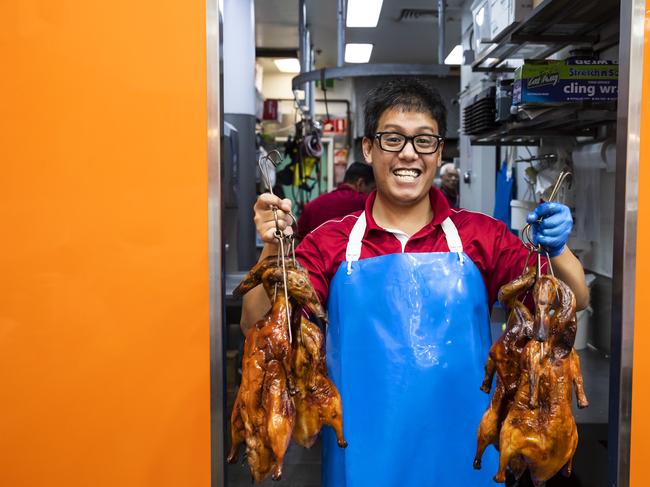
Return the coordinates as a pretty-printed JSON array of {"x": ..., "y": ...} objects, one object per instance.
[{"x": 407, "y": 340}]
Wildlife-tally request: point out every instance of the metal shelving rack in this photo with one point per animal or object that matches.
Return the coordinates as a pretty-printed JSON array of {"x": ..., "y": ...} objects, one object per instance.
[
  {"x": 569, "y": 121},
  {"x": 552, "y": 26}
]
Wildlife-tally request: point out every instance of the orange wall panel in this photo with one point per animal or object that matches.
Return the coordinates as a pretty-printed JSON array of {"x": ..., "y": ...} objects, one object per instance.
[
  {"x": 104, "y": 311},
  {"x": 640, "y": 434}
]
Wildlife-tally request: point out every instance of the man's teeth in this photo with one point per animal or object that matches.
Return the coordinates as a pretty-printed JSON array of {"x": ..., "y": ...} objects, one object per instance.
[{"x": 406, "y": 173}]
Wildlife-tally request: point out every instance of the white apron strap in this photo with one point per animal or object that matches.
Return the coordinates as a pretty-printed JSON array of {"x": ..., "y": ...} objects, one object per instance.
[
  {"x": 453, "y": 239},
  {"x": 353, "y": 250}
]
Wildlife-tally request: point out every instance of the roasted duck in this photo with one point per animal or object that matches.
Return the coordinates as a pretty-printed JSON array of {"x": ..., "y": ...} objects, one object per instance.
[
  {"x": 266, "y": 410},
  {"x": 280, "y": 412},
  {"x": 317, "y": 400},
  {"x": 504, "y": 358},
  {"x": 539, "y": 432},
  {"x": 269, "y": 273},
  {"x": 264, "y": 342},
  {"x": 254, "y": 276}
]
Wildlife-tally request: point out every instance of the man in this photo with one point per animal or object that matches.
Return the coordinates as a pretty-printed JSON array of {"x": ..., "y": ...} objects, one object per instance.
[
  {"x": 348, "y": 197},
  {"x": 449, "y": 179},
  {"x": 408, "y": 284}
]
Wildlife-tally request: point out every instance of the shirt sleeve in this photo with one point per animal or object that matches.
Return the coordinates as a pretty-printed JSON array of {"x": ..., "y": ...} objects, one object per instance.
[
  {"x": 510, "y": 257},
  {"x": 310, "y": 257}
]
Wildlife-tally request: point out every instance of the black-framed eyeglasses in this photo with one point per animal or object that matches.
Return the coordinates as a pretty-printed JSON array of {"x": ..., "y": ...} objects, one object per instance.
[{"x": 422, "y": 143}]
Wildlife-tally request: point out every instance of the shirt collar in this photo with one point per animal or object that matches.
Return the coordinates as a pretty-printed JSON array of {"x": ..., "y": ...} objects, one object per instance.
[
  {"x": 344, "y": 187},
  {"x": 439, "y": 205}
]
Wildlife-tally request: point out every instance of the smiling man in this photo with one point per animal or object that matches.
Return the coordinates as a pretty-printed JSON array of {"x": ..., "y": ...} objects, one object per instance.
[{"x": 408, "y": 284}]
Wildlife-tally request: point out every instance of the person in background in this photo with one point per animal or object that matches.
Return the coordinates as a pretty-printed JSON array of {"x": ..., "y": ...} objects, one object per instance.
[
  {"x": 348, "y": 197},
  {"x": 449, "y": 178}
]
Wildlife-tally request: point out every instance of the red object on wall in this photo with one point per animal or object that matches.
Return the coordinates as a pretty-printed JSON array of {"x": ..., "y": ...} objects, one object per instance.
[
  {"x": 270, "y": 110},
  {"x": 337, "y": 125}
]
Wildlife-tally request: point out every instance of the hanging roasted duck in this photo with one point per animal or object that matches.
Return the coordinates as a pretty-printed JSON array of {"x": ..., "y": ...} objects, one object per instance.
[
  {"x": 539, "y": 432},
  {"x": 284, "y": 380},
  {"x": 504, "y": 358},
  {"x": 284, "y": 390},
  {"x": 262, "y": 401},
  {"x": 263, "y": 415},
  {"x": 273, "y": 335},
  {"x": 317, "y": 400}
]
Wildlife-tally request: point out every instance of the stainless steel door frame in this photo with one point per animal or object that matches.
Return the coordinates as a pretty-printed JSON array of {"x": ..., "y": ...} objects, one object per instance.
[
  {"x": 213, "y": 20},
  {"x": 625, "y": 235}
]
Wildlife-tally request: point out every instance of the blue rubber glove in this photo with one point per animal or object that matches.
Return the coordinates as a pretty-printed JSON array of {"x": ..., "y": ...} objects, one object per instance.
[{"x": 553, "y": 231}]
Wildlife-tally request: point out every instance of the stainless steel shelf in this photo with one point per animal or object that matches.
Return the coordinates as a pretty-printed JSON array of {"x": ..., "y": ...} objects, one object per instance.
[
  {"x": 565, "y": 121},
  {"x": 553, "y": 25}
]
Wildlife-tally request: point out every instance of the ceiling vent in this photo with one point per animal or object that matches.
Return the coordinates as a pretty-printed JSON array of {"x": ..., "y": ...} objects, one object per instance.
[{"x": 417, "y": 15}]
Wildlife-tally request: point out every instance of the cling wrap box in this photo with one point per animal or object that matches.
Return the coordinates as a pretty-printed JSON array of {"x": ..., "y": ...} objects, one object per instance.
[{"x": 558, "y": 82}]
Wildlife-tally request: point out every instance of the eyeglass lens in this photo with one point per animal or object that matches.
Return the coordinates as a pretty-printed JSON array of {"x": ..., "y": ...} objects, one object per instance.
[{"x": 424, "y": 144}]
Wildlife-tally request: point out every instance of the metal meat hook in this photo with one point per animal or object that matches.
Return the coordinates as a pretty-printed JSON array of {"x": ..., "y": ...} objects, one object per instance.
[
  {"x": 274, "y": 157},
  {"x": 527, "y": 230}
]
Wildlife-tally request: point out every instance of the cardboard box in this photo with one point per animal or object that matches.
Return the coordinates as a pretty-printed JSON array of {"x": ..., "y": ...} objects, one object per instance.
[
  {"x": 559, "y": 82},
  {"x": 482, "y": 25},
  {"x": 505, "y": 13}
]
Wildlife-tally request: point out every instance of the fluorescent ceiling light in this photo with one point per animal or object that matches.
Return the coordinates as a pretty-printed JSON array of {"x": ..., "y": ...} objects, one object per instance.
[
  {"x": 363, "y": 13},
  {"x": 288, "y": 65},
  {"x": 357, "y": 53},
  {"x": 455, "y": 56}
]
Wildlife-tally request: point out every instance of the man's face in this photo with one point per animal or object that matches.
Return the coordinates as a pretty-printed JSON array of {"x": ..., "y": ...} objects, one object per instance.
[
  {"x": 450, "y": 180},
  {"x": 405, "y": 177}
]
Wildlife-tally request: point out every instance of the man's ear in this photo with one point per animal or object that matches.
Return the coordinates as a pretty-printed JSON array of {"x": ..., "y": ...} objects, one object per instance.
[
  {"x": 358, "y": 185},
  {"x": 439, "y": 154},
  {"x": 366, "y": 145}
]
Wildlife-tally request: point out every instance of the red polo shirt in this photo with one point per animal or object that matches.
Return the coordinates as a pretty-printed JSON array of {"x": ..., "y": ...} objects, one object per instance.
[
  {"x": 498, "y": 254},
  {"x": 337, "y": 203}
]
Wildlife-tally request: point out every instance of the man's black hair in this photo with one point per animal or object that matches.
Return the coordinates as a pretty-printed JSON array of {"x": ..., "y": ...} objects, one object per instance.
[
  {"x": 359, "y": 170},
  {"x": 405, "y": 94}
]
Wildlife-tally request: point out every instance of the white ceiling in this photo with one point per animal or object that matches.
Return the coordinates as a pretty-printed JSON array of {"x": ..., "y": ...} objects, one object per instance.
[{"x": 410, "y": 42}]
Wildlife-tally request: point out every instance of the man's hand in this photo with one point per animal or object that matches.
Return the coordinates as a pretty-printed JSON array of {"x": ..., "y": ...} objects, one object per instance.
[
  {"x": 265, "y": 222},
  {"x": 553, "y": 231},
  {"x": 255, "y": 302}
]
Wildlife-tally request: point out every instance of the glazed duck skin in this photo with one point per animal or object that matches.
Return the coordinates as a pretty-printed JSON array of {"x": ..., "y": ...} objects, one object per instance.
[
  {"x": 248, "y": 420},
  {"x": 504, "y": 355},
  {"x": 254, "y": 277},
  {"x": 272, "y": 334},
  {"x": 539, "y": 432},
  {"x": 262, "y": 395},
  {"x": 504, "y": 358},
  {"x": 299, "y": 288},
  {"x": 269, "y": 273},
  {"x": 269, "y": 410},
  {"x": 247, "y": 417},
  {"x": 543, "y": 438},
  {"x": 280, "y": 414},
  {"x": 317, "y": 401}
]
